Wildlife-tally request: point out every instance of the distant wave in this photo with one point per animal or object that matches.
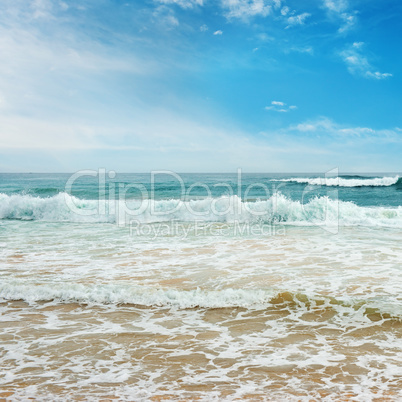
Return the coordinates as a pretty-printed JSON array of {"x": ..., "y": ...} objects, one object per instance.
[
  {"x": 346, "y": 182},
  {"x": 277, "y": 209}
]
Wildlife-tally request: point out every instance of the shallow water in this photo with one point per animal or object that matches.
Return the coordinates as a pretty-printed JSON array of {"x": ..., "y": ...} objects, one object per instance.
[
  {"x": 295, "y": 314},
  {"x": 207, "y": 310},
  {"x": 77, "y": 351}
]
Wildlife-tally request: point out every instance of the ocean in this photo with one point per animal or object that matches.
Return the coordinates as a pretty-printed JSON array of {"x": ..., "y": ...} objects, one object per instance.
[{"x": 208, "y": 287}]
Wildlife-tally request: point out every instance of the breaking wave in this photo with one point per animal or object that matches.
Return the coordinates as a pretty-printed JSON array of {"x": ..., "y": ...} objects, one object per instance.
[
  {"x": 119, "y": 294},
  {"x": 277, "y": 209},
  {"x": 353, "y": 181}
]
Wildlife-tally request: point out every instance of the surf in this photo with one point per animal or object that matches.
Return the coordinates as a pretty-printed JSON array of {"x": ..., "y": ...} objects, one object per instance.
[
  {"x": 125, "y": 294},
  {"x": 345, "y": 181},
  {"x": 278, "y": 209}
]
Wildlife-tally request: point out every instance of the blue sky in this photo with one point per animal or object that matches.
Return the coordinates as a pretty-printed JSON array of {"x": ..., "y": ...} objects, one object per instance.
[{"x": 200, "y": 85}]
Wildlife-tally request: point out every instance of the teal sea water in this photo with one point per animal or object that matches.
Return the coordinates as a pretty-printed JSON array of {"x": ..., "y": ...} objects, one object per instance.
[
  {"x": 201, "y": 286},
  {"x": 364, "y": 190},
  {"x": 362, "y": 200}
]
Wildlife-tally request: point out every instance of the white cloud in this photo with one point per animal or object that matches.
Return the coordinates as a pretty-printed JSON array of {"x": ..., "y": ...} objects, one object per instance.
[
  {"x": 41, "y": 9},
  {"x": 64, "y": 6},
  {"x": 326, "y": 127},
  {"x": 240, "y": 9},
  {"x": 245, "y": 9},
  {"x": 339, "y": 9},
  {"x": 321, "y": 124},
  {"x": 281, "y": 107},
  {"x": 204, "y": 28},
  {"x": 358, "y": 63},
  {"x": 45, "y": 77},
  {"x": 171, "y": 20},
  {"x": 377, "y": 75},
  {"x": 218, "y": 32},
  {"x": 305, "y": 127},
  {"x": 305, "y": 49},
  {"x": 263, "y": 37},
  {"x": 337, "y": 6},
  {"x": 297, "y": 19},
  {"x": 183, "y": 3},
  {"x": 182, "y": 144},
  {"x": 358, "y": 45},
  {"x": 163, "y": 15},
  {"x": 348, "y": 22},
  {"x": 277, "y": 3},
  {"x": 26, "y": 53}
]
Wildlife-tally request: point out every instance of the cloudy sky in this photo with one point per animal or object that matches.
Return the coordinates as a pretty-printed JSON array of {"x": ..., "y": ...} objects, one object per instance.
[{"x": 201, "y": 85}]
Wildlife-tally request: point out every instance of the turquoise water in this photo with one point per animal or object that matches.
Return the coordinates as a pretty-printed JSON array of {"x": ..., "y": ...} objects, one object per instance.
[
  {"x": 370, "y": 200},
  {"x": 167, "y": 186}
]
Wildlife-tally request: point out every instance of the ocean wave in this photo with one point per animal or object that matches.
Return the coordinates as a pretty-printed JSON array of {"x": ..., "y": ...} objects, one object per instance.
[
  {"x": 125, "y": 294},
  {"x": 276, "y": 210},
  {"x": 346, "y": 182},
  {"x": 122, "y": 294},
  {"x": 51, "y": 209}
]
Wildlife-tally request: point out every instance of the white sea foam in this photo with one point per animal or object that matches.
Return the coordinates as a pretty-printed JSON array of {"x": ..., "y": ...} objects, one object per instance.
[
  {"x": 142, "y": 354},
  {"x": 342, "y": 297},
  {"x": 183, "y": 299},
  {"x": 125, "y": 294},
  {"x": 342, "y": 182},
  {"x": 277, "y": 209}
]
